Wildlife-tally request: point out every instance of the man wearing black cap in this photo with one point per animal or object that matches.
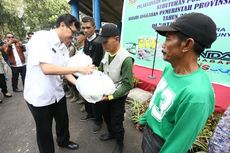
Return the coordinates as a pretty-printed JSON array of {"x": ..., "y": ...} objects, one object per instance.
[
  {"x": 80, "y": 39},
  {"x": 184, "y": 97},
  {"x": 118, "y": 64}
]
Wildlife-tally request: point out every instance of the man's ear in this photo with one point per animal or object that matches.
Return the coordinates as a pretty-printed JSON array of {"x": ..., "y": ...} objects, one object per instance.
[
  {"x": 62, "y": 24},
  {"x": 188, "y": 45},
  {"x": 117, "y": 38}
]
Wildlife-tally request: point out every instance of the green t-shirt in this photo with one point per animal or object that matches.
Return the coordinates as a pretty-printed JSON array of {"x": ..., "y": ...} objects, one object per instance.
[{"x": 179, "y": 108}]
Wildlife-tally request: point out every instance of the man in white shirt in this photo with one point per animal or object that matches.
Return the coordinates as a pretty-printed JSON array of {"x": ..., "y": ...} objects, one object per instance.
[{"x": 47, "y": 58}]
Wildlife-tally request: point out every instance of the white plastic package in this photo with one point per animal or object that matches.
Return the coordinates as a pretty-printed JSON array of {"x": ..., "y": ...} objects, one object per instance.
[
  {"x": 78, "y": 60},
  {"x": 92, "y": 87}
]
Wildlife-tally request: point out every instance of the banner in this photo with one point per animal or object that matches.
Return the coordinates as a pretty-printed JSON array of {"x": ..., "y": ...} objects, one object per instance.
[{"x": 138, "y": 35}]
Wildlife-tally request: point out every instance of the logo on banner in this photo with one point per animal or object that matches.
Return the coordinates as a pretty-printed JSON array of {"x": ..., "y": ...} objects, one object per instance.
[{"x": 132, "y": 1}]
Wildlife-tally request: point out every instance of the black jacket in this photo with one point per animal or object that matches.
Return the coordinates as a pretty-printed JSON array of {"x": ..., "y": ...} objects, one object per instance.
[{"x": 94, "y": 50}]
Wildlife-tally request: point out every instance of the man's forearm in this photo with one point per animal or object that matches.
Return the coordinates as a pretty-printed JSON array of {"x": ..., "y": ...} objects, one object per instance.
[
  {"x": 51, "y": 69},
  {"x": 71, "y": 78}
]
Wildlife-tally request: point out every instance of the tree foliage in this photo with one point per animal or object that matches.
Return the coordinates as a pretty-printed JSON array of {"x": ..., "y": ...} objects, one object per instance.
[{"x": 22, "y": 16}]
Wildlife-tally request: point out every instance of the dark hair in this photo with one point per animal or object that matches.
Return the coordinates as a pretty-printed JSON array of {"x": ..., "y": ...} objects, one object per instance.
[
  {"x": 8, "y": 33},
  {"x": 80, "y": 33},
  {"x": 197, "y": 48},
  {"x": 1, "y": 42},
  {"x": 30, "y": 33},
  {"x": 68, "y": 19},
  {"x": 88, "y": 19}
]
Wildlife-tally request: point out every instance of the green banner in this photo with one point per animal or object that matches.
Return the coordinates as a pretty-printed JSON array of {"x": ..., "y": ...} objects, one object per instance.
[{"x": 139, "y": 38}]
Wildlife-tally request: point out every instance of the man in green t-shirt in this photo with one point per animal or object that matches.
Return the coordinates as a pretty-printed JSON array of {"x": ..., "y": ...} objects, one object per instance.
[{"x": 184, "y": 97}]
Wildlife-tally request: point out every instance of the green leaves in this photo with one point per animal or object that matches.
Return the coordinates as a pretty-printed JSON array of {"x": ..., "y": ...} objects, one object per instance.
[
  {"x": 137, "y": 110},
  {"x": 35, "y": 14},
  {"x": 201, "y": 143},
  {"x": 202, "y": 140}
]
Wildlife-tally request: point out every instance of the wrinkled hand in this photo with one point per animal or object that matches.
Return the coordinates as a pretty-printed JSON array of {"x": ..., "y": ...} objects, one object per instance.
[
  {"x": 87, "y": 69},
  {"x": 139, "y": 127}
]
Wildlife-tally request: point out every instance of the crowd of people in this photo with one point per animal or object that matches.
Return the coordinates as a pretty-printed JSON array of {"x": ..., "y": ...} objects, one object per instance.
[
  {"x": 13, "y": 55},
  {"x": 178, "y": 109},
  {"x": 48, "y": 54}
]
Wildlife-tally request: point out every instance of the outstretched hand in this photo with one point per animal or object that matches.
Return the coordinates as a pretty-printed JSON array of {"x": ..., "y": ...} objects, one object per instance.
[{"x": 87, "y": 69}]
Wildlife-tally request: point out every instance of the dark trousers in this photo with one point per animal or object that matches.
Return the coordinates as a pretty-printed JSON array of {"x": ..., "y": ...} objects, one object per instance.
[
  {"x": 15, "y": 74},
  {"x": 94, "y": 110},
  {"x": 113, "y": 114},
  {"x": 151, "y": 142},
  {"x": 43, "y": 117},
  {"x": 3, "y": 85}
]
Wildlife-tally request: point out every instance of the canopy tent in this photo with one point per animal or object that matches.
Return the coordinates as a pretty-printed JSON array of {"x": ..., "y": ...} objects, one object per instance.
[{"x": 111, "y": 11}]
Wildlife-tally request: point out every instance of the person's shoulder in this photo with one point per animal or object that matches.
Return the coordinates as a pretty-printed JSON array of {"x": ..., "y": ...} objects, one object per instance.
[
  {"x": 40, "y": 35},
  {"x": 95, "y": 42},
  {"x": 201, "y": 78},
  {"x": 41, "y": 32},
  {"x": 201, "y": 88},
  {"x": 129, "y": 59},
  {"x": 167, "y": 68}
]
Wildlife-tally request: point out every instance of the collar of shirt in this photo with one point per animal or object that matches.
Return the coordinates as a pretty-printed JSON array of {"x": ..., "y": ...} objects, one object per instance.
[
  {"x": 92, "y": 37},
  {"x": 56, "y": 41}
]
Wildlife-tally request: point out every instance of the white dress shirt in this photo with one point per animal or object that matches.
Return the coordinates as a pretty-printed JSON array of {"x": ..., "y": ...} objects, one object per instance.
[
  {"x": 16, "y": 57},
  {"x": 40, "y": 89}
]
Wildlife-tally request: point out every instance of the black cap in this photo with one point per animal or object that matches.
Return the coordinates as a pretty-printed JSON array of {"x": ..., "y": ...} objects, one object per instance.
[
  {"x": 198, "y": 26},
  {"x": 107, "y": 30}
]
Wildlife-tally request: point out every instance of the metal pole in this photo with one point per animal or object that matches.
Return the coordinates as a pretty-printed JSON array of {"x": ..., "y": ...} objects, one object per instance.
[
  {"x": 154, "y": 57},
  {"x": 96, "y": 13},
  {"x": 75, "y": 8}
]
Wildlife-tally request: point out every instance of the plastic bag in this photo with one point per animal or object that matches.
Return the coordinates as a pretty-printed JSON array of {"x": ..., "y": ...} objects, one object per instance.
[
  {"x": 78, "y": 60},
  {"x": 92, "y": 87}
]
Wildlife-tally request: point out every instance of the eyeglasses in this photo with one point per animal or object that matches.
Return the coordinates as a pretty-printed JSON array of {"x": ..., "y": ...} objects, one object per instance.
[
  {"x": 73, "y": 32},
  {"x": 10, "y": 37}
]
